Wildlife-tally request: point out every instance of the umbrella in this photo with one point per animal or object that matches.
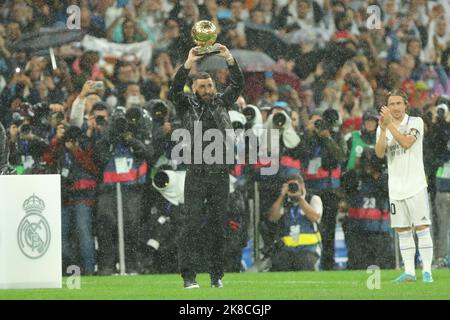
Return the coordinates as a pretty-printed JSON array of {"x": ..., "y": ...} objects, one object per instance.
[
  {"x": 212, "y": 63},
  {"x": 253, "y": 61},
  {"x": 248, "y": 60},
  {"x": 47, "y": 39},
  {"x": 265, "y": 39}
]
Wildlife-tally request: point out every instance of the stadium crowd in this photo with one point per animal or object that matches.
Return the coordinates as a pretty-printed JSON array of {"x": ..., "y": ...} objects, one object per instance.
[{"x": 100, "y": 114}]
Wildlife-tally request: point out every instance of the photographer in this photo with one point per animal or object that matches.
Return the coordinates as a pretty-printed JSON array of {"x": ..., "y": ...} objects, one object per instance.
[
  {"x": 163, "y": 125},
  {"x": 359, "y": 140},
  {"x": 27, "y": 149},
  {"x": 123, "y": 155},
  {"x": 441, "y": 142},
  {"x": 96, "y": 125},
  {"x": 83, "y": 104},
  {"x": 366, "y": 228},
  {"x": 78, "y": 188},
  {"x": 322, "y": 153},
  {"x": 295, "y": 215},
  {"x": 288, "y": 152}
]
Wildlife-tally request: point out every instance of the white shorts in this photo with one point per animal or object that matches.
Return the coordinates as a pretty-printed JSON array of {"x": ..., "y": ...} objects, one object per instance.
[{"x": 414, "y": 211}]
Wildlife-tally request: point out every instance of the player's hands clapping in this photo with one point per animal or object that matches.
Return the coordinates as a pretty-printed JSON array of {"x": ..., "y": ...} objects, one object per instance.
[{"x": 385, "y": 117}]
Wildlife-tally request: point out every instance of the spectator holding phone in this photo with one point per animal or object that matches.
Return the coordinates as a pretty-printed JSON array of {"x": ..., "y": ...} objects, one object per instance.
[
  {"x": 83, "y": 104},
  {"x": 294, "y": 217}
]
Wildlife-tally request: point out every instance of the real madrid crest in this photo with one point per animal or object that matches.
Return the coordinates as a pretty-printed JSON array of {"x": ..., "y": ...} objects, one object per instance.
[{"x": 33, "y": 234}]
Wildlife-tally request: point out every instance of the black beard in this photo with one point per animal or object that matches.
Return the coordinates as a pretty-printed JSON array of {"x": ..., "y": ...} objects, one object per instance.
[{"x": 206, "y": 97}]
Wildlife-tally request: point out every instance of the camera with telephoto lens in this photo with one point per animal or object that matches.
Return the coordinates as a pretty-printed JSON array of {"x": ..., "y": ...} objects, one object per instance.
[
  {"x": 119, "y": 123},
  {"x": 126, "y": 121},
  {"x": 249, "y": 114},
  {"x": 329, "y": 121},
  {"x": 161, "y": 179},
  {"x": 442, "y": 106},
  {"x": 441, "y": 110},
  {"x": 279, "y": 119},
  {"x": 158, "y": 110},
  {"x": 39, "y": 112}
]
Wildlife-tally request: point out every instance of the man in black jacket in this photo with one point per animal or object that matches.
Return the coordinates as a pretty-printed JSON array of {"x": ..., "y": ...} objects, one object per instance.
[{"x": 207, "y": 109}]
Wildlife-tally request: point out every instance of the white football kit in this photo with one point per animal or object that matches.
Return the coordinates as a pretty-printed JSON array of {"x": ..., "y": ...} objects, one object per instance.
[{"x": 407, "y": 182}]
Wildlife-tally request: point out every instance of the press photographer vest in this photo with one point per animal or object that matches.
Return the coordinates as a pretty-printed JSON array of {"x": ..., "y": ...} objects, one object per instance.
[
  {"x": 319, "y": 178},
  {"x": 358, "y": 146},
  {"x": 123, "y": 167},
  {"x": 80, "y": 184},
  {"x": 297, "y": 232},
  {"x": 366, "y": 212}
]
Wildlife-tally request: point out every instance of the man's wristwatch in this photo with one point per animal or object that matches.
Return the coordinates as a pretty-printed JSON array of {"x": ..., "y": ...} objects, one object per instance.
[{"x": 230, "y": 60}]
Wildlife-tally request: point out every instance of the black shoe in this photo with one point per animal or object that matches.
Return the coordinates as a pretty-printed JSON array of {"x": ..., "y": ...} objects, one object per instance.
[
  {"x": 191, "y": 284},
  {"x": 106, "y": 272},
  {"x": 216, "y": 283}
]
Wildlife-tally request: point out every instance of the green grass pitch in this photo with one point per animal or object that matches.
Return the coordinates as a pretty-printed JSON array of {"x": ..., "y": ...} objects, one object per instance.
[{"x": 259, "y": 286}]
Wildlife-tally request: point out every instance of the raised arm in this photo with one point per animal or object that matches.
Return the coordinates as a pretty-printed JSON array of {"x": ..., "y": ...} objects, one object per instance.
[
  {"x": 234, "y": 90},
  {"x": 176, "y": 91},
  {"x": 380, "y": 146}
]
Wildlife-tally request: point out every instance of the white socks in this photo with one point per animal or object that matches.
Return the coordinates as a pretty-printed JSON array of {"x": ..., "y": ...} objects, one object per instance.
[
  {"x": 408, "y": 251},
  {"x": 425, "y": 248}
]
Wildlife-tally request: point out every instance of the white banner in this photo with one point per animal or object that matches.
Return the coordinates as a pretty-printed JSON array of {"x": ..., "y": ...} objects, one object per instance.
[
  {"x": 30, "y": 232},
  {"x": 142, "y": 50}
]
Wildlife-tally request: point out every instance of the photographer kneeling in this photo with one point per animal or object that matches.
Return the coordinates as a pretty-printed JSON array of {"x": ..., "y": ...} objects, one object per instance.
[{"x": 295, "y": 215}]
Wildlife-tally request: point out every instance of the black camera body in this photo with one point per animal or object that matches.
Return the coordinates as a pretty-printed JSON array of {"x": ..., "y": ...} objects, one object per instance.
[
  {"x": 158, "y": 109},
  {"x": 330, "y": 118}
]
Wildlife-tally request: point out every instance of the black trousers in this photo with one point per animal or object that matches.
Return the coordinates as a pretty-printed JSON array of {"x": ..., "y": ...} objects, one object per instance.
[
  {"x": 330, "y": 202},
  {"x": 107, "y": 232},
  {"x": 203, "y": 222},
  {"x": 283, "y": 260},
  {"x": 369, "y": 248}
]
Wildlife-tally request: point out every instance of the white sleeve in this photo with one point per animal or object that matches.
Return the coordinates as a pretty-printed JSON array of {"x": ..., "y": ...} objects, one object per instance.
[
  {"x": 316, "y": 204},
  {"x": 416, "y": 128},
  {"x": 77, "y": 112}
]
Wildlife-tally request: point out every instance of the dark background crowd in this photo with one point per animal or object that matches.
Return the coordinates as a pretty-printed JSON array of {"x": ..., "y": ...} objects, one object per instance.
[{"x": 315, "y": 69}]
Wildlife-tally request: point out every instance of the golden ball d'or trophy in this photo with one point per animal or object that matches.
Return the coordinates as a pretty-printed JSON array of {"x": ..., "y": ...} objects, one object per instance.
[{"x": 204, "y": 34}]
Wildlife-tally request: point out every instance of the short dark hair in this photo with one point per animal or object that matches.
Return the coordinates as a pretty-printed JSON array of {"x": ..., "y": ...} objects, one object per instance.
[
  {"x": 200, "y": 75},
  {"x": 397, "y": 92},
  {"x": 99, "y": 106}
]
